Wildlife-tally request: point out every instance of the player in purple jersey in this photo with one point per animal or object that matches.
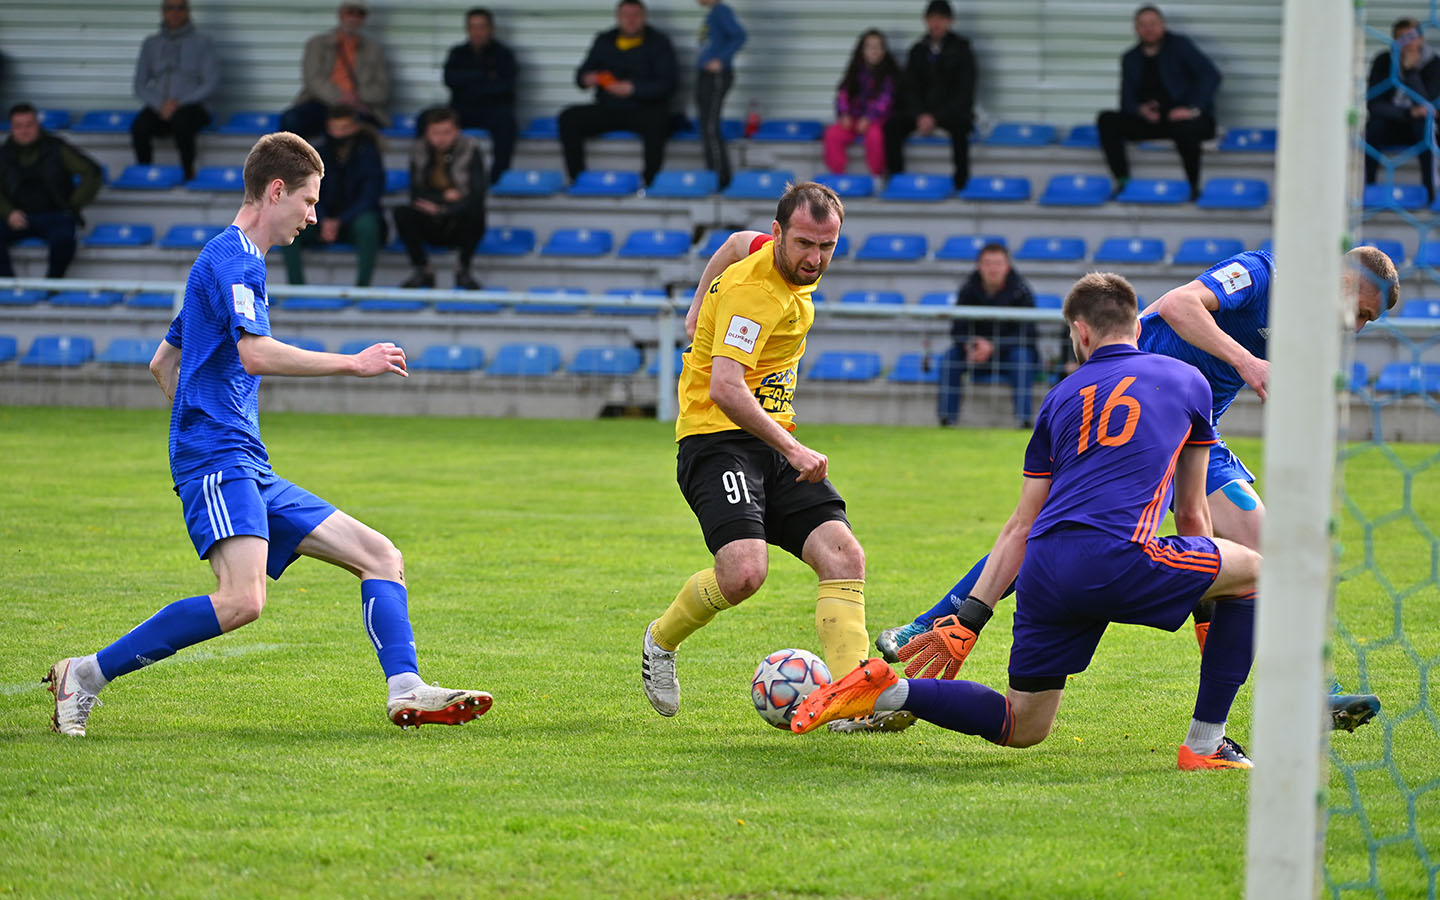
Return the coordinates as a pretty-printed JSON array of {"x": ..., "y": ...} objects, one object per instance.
[
  {"x": 1113, "y": 443},
  {"x": 242, "y": 517}
]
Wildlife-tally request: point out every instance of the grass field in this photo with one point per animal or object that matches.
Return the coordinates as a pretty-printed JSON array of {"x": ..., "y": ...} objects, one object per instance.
[{"x": 261, "y": 764}]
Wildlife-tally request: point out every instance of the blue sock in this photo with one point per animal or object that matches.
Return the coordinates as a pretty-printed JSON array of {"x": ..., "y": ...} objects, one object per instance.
[
  {"x": 175, "y": 627},
  {"x": 387, "y": 621},
  {"x": 1225, "y": 664},
  {"x": 957, "y": 595},
  {"x": 964, "y": 706}
]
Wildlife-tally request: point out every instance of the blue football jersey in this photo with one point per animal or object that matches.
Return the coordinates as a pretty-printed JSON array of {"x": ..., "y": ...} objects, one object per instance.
[
  {"x": 215, "y": 420},
  {"x": 1242, "y": 285}
]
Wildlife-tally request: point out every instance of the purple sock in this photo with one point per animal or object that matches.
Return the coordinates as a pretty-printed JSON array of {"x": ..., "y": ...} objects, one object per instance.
[
  {"x": 175, "y": 627},
  {"x": 964, "y": 706},
  {"x": 1229, "y": 650}
]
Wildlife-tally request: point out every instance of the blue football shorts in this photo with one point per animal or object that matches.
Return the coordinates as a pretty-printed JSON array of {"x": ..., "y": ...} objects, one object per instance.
[
  {"x": 1225, "y": 467},
  {"x": 239, "y": 501}
]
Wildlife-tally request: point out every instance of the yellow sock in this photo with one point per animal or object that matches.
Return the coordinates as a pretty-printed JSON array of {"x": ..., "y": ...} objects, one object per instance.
[
  {"x": 697, "y": 603},
  {"x": 840, "y": 622}
]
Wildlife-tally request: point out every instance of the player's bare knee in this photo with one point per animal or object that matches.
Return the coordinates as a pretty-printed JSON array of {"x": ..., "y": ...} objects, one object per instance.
[
  {"x": 740, "y": 581},
  {"x": 1029, "y": 733},
  {"x": 389, "y": 562},
  {"x": 235, "y": 608}
]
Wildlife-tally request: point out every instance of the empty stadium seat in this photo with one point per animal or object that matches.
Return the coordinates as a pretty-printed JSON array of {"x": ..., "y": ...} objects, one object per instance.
[
  {"x": 1204, "y": 251},
  {"x": 651, "y": 293},
  {"x": 471, "y": 306},
  {"x": 926, "y": 188},
  {"x": 789, "y": 130},
  {"x": 53, "y": 119},
  {"x": 892, "y": 248},
  {"x": 403, "y": 126},
  {"x": 873, "y": 297},
  {"x": 1020, "y": 134},
  {"x": 1395, "y": 196},
  {"x": 1428, "y": 254},
  {"x": 967, "y": 246},
  {"x": 9, "y": 347},
  {"x": 938, "y": 298},
  {"x": 506, "y": 242},
  {"x": 151, "y": 300},
  {"x": 847, "y": 186},
  {"x": 1050, "y": 301},
  {"x": 614, "y": 361},
  {"x": 578, "y": 242},
  {"x": 218, "y": 178},
  {"x": 542, "y": 128},
  {"x": 1409, "y": 378},
  {"x": 845, "y": 365},
  {"x": 1154, "y": 191},
  {"x": 450, "y": 358},
  {"x": 1255, "y": 140},
  {"x": 53, "y": 350},
  {"x": 389, "y": 306},
  {"x": 842, "y": 247},
  {"x": 913, "y": 368},
  {"x": 1082, "y": 137},
  {"x": 91, "y": 299},
  {"x": 525, "y": 359},
  {"x": 1135, "y": 250},
  {"x": 654, "y": 367},
  {"x": 251, "y": 122},
  {"x": 189, "y": 237},
  {"x": 149, "y": 178},
  {"x": 105, "y": 121},
  {"x": 1359, "y": 378},
  {"x": 311, "y": 344},
  {"x": 1052, "y": 249},
  {"x": 350, "y": 348},
  {"x": 120, "y": 234},
  {"x": 1076, "y": 190},
  {"x": 397, "y": 181},
  {"x": 683, "y": 183},
  {"x": 129, "y": 352},
  {"x": 655, "y": 244},
  {"x": 1391, "y": 248},
  {"x": 19, "y": 297},
  {"x": 1234, "y": 193},
  {"x": 712, "y": 243},
  {"x": 758, "y": 184},
  {"x": 528, "y": 183},
  {"x": 552, "y": 309},
  {"x": 996, "y": 189},
  {"x": 1420, "y": 308},
  {"x": 312, "y": 304},
  {"x": 605, "y": 184}
]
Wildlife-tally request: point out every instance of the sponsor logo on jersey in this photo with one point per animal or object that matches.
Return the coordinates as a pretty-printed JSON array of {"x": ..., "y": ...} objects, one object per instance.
[
  {"x": 244, "y": 301},
  {"x": 1233, "y": 277},
  {"x": 742, "y": 333}
]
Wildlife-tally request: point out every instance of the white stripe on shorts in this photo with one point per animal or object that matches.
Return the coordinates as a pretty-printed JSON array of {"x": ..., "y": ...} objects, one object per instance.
[{"x": 210, "y": 507}]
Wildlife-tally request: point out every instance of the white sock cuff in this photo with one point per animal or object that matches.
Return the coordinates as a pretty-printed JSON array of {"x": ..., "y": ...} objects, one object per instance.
[{"x": 893, "y": 697}]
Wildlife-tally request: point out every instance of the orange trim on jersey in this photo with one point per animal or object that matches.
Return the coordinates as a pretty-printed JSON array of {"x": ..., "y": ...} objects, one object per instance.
[
  {"x": 1155, "y": 509},
  {"x": 760, "y": 241},
  {"x": 1029, "y": 474},
  {"x": 1202, "y": 443}
]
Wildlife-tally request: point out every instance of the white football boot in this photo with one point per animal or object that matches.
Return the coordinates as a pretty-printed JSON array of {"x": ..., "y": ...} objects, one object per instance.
[
  {"x": 430, "y": 704},
  {"x": 72, "y": 702},
  {"x": 657, "y": 674}
]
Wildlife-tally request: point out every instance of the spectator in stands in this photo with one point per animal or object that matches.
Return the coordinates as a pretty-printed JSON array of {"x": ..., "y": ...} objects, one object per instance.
[
  {"x": 936, "y": 91},
  {"x": 862, "y": 104},
  {"x": 447, "y": 198},
  {"x": 632, "y": 69},
  {"x": 721, "y": 37},
  {"x": 349, "y": 207},
  {"x": 1167, "y": 91},
  {"x": 991, "y": 349},
  {"x": 480, "y": 74},
  {"x": 1400, "y": 114},
  {"x": 341, "y": 66},
  {"x": 39, "y": 194},
  {"x": 176, "y": 75}
]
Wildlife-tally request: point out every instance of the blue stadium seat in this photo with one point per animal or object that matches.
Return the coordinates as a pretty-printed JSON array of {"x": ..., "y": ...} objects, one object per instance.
[
  {"x": 189, "y": 237},
  {"x": 842, "y": 247},
  {"x": 218, "y": 178},
  {"x": 817, "y": 297},
  {"x": 312, "y": 304},
  {"x": 683, "y": 183},
  {"x": 913, "y": 368},
  {"x": 1134, "y": 250},
  {"x": 53, "y": 350},
  {"x": 1420, "y": 308},
  {"x": 542, "y": 128},
  {"x": 1020, "y": 134},
  {"x": 1076, "y": 190},
  {"x": 402, "y": 126},
  {"x": 712, "y": 242},
  {"x": 552, "y": 309},
  {"x": 758, "y": 184},
  {"x": 349, "y": 348},
  {"x": 251, "y": 122},
  {"x": 655, "y": 244},
  {"x": 1392, "y": 196},
  {"x": 1254, "y": 140},
  {"x": 966, "y": 247},
  {"x": 506, "y": 242},
  {"x": 845, "y": 365},
  {"x": 1409, "y": 378},
  {"x": 578, "y": 242},
  {"x": 388, "y": 306},
  {"x": 9, "y": 347},
  {"x": 1391, "y": 248},
  {"x": 996, "y": 189},
  {"x": 620, "y": 135},
  {"x": 614, "y": 361},
  {"x": 120, "y": 234},
  {"x": 528, "y": 183},
  {"x": 397, "y": 181},
  {"x": 789, "y": 130},
  {"x": 1268, "y": 245},
  {"x": 1155, "y": 191},
  {"x": 88, "y": 299},
  {"x": 873, "y": 297},
  {"x": 730, "y": 129},
  {"x": 1234, "y": 193},
  {"x": 1082, "y": 137},
  {"x": 848, "y": 186},
  {"x": 477, "y": 133},
  {"x": 472, "y": 306},
  {"x": 1428, "y": 254},
  {"x": 130, "y": 351},
  {"x": 525, "y": 359},
  {"x": 1359, "y": 377},
  {"x": 105, "y": 121},
  {"x": 155, "y": 300},
  {"x": 893, "y": 248},
  {"x": 1204, "y": 251},
  {"x": 1052, "y": 249},
  {"x": 654, "y": 368},
  {"x": 313, "y": 344},
  {"x": 149, "y": 178},
  {"x": 1049, "y": 301},
  {"x": 53, "y": 119},
  {"x": 450, "y": 358},
  {"x": 925, "y": 188},
  {"x": 18, "y": 297},
  {"x": 938, "y": 298},
  {"x": 654, "y": 293},
  {"x": 605, "y": 184}
]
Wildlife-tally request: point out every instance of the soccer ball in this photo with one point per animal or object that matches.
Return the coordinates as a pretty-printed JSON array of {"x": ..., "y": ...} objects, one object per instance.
[{"x": 782, "y": 680}]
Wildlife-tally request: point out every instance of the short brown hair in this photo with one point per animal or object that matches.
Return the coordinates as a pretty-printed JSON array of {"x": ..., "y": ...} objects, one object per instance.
[
  {"x": 819, "y": 200},
  {"x": 1379, "y": 272},
  {"x": 282, "y": 155},
  {"x": 1105, "y": 301}
]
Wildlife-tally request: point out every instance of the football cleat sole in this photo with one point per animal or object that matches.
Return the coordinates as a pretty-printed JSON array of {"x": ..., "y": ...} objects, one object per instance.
[
  {"x": 1349, "y": 711},
  {"x": 471, "y": 706}
]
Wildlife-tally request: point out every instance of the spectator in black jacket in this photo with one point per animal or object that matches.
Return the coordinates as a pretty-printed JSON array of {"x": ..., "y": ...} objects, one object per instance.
[
  {"x": 937, "y": 91},
  {"x": 447, "y": 198},
  {"x": 39, "y": 196},
  {"x": 480, "y": 74},
  {"x": 349, "y": 207},
  {"x": 1167, "y": 91},
  {"x": 1398, "y": 113},
  {"x": 990, "y": 350},
  {"x": 632, "y": 69}
]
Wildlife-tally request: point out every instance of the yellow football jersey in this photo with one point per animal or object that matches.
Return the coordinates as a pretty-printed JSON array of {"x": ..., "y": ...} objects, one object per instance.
[{"x": 755, "y": 317}]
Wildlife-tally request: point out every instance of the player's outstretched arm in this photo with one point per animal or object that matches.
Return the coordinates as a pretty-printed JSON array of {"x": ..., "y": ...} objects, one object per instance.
[
  {"x": 735, "y": 248},
  {"x": 1190, "y": 310},
  {"x": 263, "y": 355},
  {"x": 165, "y": 367},
  {"x": 730, "y": 392}
]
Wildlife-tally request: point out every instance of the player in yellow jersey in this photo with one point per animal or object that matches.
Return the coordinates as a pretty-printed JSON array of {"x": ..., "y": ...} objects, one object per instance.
[{"x": 749, "y": 481}]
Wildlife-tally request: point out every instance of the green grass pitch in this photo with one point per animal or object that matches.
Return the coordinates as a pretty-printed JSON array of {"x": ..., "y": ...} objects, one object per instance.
[{"x": 261, "y": 764}]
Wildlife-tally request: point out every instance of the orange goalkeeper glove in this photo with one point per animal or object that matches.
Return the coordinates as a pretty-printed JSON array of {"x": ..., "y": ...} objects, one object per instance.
[{"x": 941, "y": 651}]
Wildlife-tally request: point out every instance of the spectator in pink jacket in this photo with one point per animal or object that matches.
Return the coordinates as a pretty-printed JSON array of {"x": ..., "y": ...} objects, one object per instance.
[{"x": 862, "y": 103}]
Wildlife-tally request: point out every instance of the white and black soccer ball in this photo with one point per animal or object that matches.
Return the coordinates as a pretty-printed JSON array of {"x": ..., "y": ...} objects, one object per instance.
[{"x": 782, "y": 680}]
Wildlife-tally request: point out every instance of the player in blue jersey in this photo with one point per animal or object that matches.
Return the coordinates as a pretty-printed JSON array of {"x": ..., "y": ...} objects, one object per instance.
[
  {"x": 1112, "y": 444},
  {"x": 1219, "y": 324},
  {"x": 247, "y": 521}
]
